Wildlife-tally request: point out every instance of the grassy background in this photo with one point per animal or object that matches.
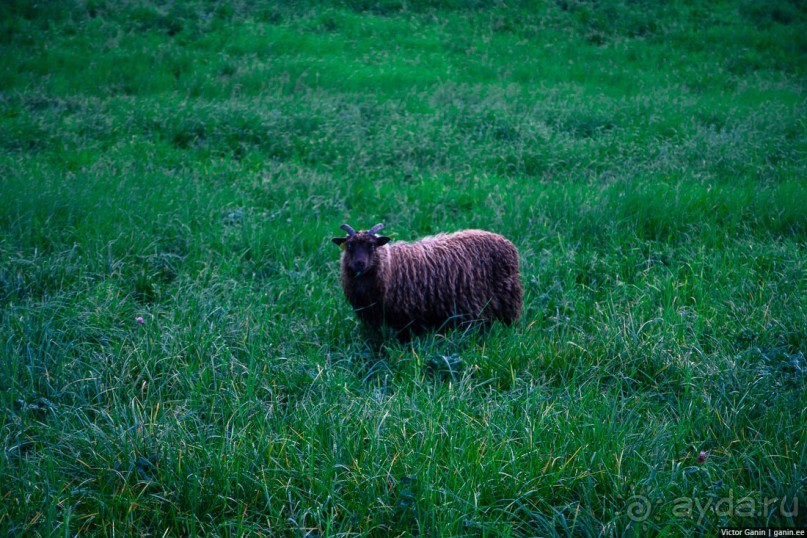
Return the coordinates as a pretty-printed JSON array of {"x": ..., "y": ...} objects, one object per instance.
[{"x": 188, "y": 162}]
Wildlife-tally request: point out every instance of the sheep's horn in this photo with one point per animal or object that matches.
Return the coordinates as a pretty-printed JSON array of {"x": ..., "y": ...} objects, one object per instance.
[
  {"x": 376, "y": 228},
  {"x": 348, "y": 229}
]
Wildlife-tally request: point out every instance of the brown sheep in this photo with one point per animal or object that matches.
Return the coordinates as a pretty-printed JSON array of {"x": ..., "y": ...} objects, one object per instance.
[{"x": 439, "y": 280}]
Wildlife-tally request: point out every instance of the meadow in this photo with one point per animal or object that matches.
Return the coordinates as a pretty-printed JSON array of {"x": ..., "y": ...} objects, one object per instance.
[{"x": 176, "y": 354}]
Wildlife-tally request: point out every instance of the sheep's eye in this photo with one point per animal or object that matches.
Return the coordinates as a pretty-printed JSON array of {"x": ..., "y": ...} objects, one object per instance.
[{"x": 350, "y": 247}]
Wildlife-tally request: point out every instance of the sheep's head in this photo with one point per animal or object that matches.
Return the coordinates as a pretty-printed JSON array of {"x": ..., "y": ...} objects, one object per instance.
[{"x": 360, "y": 248}]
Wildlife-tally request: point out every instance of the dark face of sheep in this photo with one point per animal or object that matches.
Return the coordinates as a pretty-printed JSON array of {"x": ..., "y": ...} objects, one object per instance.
[{"x": 360, "y": 249}]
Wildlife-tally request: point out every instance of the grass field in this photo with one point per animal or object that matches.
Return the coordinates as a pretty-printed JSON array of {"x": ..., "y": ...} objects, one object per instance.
[{"x": 176, "y": 354}]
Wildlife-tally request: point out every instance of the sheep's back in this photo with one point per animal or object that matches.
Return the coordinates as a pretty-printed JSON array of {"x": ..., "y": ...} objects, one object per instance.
[{"x": 467, "y": 273}]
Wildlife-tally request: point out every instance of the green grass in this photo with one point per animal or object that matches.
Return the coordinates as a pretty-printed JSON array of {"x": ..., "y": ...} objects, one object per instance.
[{"x": 188, "y": 163}]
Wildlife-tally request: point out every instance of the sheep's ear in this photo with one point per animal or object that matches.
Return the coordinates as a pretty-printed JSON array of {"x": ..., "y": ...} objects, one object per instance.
[
  {"x": 339, "y": 241},
  {"x": 381, "y": 240}
]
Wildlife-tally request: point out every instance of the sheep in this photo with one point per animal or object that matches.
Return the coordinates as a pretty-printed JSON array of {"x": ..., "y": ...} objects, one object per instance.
[{"x": 441, "y": 280}]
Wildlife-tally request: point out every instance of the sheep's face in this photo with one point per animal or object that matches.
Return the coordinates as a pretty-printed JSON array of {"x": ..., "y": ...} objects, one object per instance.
[{"x": 360, "y": 256}]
